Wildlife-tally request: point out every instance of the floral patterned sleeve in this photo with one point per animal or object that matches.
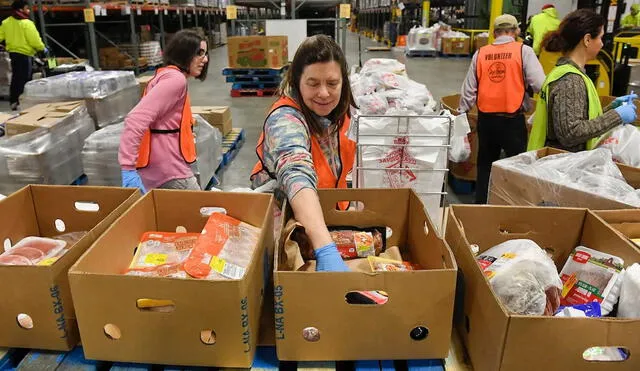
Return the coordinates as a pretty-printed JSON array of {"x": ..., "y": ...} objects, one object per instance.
[{"x": 286, "y": 150}]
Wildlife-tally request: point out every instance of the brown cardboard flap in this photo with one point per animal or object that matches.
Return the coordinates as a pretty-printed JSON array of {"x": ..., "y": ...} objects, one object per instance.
[{"x": 626, "y": 221}]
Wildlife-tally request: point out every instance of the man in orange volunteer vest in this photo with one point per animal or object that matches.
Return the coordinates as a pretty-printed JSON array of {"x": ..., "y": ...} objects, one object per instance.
[{"x": 500, "y": 79}]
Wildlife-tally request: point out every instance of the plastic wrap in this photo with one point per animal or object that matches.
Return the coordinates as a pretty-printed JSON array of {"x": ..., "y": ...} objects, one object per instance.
[
  {"x": 85, "y": 84},
  {"x": 45, "y": 156},
  {"x": 223, "y": 250},
  {"x": 34, "y": 251},
  {"x": 162, "y": 254},
  {"x": 5, "y": 73},
  {"x": 629, "y": 306},
  {"x": 583, "y": 179},
  {"x": 114, "y": 107},
  {"x": 523, "y": 277},
  {"x": 383, "y": 65},
  {"x": 100, "y": 156},
  {"x": 208, "y": 149},
  {"x": 422, "y": 39}
]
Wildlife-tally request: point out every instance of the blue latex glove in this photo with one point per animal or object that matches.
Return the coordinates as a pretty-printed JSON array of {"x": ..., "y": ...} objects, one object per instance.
[
  {"x": 131, "y": 179},
  {"x": 46, "y": 50},
  {"x": 625, "y": 98},
  {"x": 328, "y": 259},
  {"x": 627, "y": 113}
]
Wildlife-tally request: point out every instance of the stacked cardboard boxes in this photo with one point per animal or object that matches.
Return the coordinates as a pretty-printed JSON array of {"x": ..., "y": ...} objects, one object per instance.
[
  {"x": 257, "y": 51},
  {"x": 113, "y": 58},
  {"x": 44, "y": 115}
]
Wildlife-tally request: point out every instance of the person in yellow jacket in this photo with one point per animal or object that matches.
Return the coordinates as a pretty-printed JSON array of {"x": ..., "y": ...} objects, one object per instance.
[
  {"x": 541, "y": 24},
  {"x": 632, "y": 19},
  {"x": 22, "y": 42}
]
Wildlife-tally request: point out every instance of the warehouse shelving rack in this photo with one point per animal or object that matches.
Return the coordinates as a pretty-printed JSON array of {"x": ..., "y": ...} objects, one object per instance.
[{"x": 122, "y": 13}]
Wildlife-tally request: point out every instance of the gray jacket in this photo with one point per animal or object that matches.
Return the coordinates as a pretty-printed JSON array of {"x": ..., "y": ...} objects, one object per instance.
[{"x": 568, "y": 124}]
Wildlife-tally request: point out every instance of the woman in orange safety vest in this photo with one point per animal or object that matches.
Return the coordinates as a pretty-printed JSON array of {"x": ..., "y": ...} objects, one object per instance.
[
  {"x": 157, "y": 145},
  {"x": 304, "y": 144}
]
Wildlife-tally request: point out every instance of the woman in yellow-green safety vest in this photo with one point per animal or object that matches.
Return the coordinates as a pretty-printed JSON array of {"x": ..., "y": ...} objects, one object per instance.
[{"x": 568, "y": 114}]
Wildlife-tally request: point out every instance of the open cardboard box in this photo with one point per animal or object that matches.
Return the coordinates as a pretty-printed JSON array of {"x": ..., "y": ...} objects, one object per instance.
[
  {"x": 626, "y": 222},
  {"x": 421, "y": 298},
  {"x": 512, "y": 187},
  {"x": 42, "y": 292},
  {"x": 497, "y": 340},
  {"x": 113, "y": 327}
]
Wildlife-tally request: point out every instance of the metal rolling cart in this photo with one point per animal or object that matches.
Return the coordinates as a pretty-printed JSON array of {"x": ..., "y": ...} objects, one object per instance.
[{"x": 399, "y": 166}]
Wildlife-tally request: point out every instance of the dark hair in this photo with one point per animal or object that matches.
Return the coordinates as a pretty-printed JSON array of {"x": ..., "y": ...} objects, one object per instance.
[
  {"x": 181, "y": 50},
  {"x": 572, "y": 30},
  {"x": 319, "y": 49},
  {"x": 19, "y": 4}
]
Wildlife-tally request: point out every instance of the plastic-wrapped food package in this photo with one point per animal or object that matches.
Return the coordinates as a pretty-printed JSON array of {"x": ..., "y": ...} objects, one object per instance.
[
  {"x": 372, "y": 104},
  {"x": 100, "y": 156},
  {"x": 523, "y": 277},
  {"x": 84, "y": 84},
  {"x": 208, "y": 149},
  {"x": 421, "y": 39},
  {"x": 383, "y": 65},
  {"x": 629, "y": 306},
  {"x": 223, "y": 250},
  {"x": 162, "y": 254},
  {"x": 34, "y": 251},
  {"x": 591, "y": 275},
  {"x": 45, "y": 156},
  {"x": 623, "y": 142}
]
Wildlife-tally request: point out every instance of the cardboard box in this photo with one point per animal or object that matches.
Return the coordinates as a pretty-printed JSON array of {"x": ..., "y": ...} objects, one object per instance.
[
  {"x": 257, "y": 51},
  {"x": 44, "y": 115},
  {"x": 497, "y": 340},
  {"x": 467, "y": 170},
  {"x": 104, "y": 297},
  {"x": 456, "y": 45},
  {"x": 626, "y": 222},
  {"x": 480, "y": 41},
  {"x": 216, "y": 116},
  {"x": 347, "y": 332},
  {"x": 143, "y": 81},
  {"x": 42, "y": 292},
  {"x": 511, "y": 187}
]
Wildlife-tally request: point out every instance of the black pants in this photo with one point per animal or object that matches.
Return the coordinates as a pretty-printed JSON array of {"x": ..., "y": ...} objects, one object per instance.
[
  {"x": 497, "y": 133},
  {"x": 20, "y": 75}
]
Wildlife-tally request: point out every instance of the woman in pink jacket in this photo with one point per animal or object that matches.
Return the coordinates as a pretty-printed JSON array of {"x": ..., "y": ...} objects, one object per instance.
[{"x": 157, "y": 145}]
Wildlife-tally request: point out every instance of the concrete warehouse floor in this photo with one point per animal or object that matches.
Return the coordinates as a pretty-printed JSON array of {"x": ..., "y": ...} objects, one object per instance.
[{"x": 442, "y": 76}]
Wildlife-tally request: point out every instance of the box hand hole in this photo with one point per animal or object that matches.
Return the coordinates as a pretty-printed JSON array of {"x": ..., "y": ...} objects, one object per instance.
[
  {"x": 25, "y": 321},
  {"x": 606, "y": 354},
  {"x": 311, "y": 334},
  {"x": 375, "y": 297},
  {"x": 7, "y": 244},
  {"x": 156, "y": 305},
  {"x": 419, "y": 333},
  {"x": 112, "y": 331},
  {"x": 347, "y": 205},
  {"x": 208, "y": 336},
  {"x": 60, "y": 226},
  {"x": 88, "y": 206}
]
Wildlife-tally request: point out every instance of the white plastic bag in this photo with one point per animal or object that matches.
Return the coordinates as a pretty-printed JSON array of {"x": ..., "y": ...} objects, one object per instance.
[
  {"x": 624, "y": 144},
  {"x": 372, "y": 104},
  {"x": 383, "y": 65},
  {"x": 523, "y": 277},
  {"x": 629, "y": 306}
]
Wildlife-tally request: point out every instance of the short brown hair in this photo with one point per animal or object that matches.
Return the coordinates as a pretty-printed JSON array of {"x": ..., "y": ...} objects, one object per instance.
[
  {"x": 181, "y": 50},
  {"x": 319, "y": 49}
]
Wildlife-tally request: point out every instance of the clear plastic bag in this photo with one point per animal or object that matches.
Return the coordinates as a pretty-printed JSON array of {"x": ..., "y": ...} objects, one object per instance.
[
  {"x": 523, "y": 276},
  {"x": 629, "y": 306},
  {"x": 85, "y": 84},
  {"x": 624, "y": 144}
]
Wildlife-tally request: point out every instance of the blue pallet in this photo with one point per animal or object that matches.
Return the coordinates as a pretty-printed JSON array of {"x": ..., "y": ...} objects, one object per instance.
[
  {"x": 460, "y": 186},
  {"x": 254, "y": 85},
  {"x": 82, "y": 180},
  {"x": 249, "y": 78},
  {"x": 253, "y": 71}
]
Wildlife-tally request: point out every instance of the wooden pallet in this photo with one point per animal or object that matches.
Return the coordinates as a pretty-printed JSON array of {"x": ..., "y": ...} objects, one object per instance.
[
  {"x": 254, "y": 85},
  {"x": 378, "y": 48},
  {"x": 421, "y": 53},
  {"x": 251, "y": 78},
  {"x": 254, "y": 71},
  {"x": 253, "y": 92},
  {"x": 265, "y": 360}
]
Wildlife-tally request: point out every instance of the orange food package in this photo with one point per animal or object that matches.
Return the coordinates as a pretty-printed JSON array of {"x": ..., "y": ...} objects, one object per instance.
[
  {"x": 162, "y": 254},
  {"x": 223, "y": 249},
  {"x": 387, "y": 265}
]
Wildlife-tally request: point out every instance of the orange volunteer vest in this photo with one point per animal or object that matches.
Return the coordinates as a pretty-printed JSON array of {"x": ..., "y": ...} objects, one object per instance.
[
  {"x": 187, "y": 142},
  {"x": 500, "y": 75},
  {"x": 326, "y": 178}
]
